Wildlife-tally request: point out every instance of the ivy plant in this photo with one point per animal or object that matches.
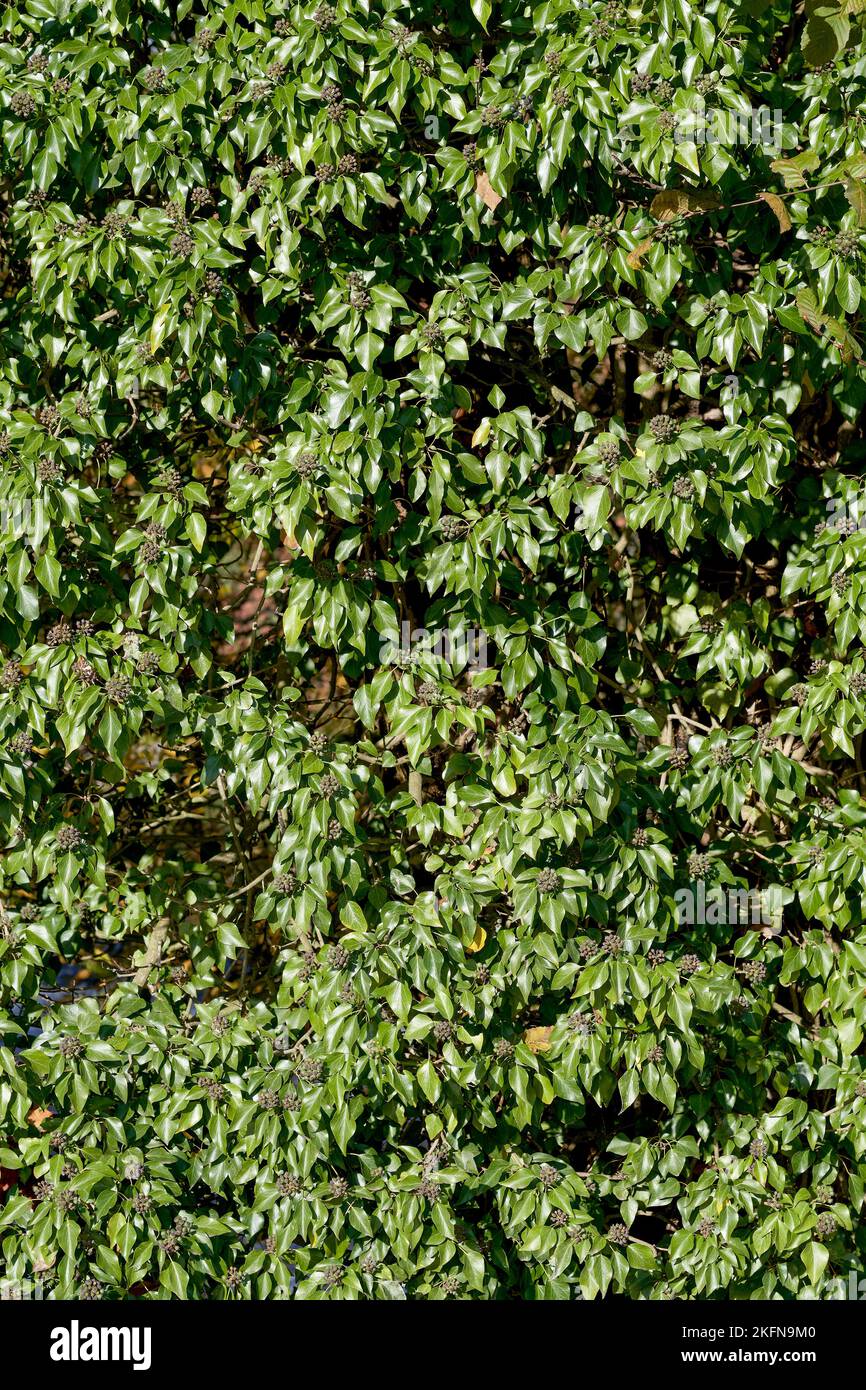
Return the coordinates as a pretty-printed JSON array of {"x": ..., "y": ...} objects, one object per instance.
[{"x": 433, "y": 627}]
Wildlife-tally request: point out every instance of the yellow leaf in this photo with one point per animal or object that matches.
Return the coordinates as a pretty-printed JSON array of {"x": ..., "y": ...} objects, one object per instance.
[
  {"x": 637, "y": 253},
  {"x": 157, "y": 332},
  {"x": 537, "y": 1039},
  {"x": 477, "y": 941},
  {"x": 482, "y": 434},
  {"x": 795, "y": 169}
]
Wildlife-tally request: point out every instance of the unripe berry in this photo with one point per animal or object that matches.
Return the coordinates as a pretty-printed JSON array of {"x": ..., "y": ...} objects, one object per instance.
[
  {"x": 846, "y": 244},
  {"x": 754, "y": 971},
  {"x": 451, "y": 527},
  {"x": 549, "y": 881},
  {"x": 22, "y": 105},
  {"x": 114, "y": 224},
  {"x": 182, "y": 246},
  {"x": 310, "y": 1069},
  {"x": 325, "y": 17},
  {"x": 699, "y": 865},
  {"x": 118, "y": 690},
  {"x": 59, "y": 634},
  {"x": 69, "y": 837},
  {"x": 825, "y": 1226},
  {"x": 664, "y": 428}
]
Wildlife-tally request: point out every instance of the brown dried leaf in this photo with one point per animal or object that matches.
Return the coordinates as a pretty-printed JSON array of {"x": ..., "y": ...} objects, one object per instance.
[
  {"x": 486, "y": 192},
  {"x": 669, "y": 204},
  {"x": 855, "y": 192},
  {"x": 676, "y": 202},
  {"x": 775, "y": 202}
]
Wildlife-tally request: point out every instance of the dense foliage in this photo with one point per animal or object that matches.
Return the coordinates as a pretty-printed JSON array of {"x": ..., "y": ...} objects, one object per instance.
[{"x": 334, "y": 964}]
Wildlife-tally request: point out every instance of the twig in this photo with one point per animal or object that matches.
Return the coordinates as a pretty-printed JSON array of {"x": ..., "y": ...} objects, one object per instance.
[{"x": 152, "y": 953}]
